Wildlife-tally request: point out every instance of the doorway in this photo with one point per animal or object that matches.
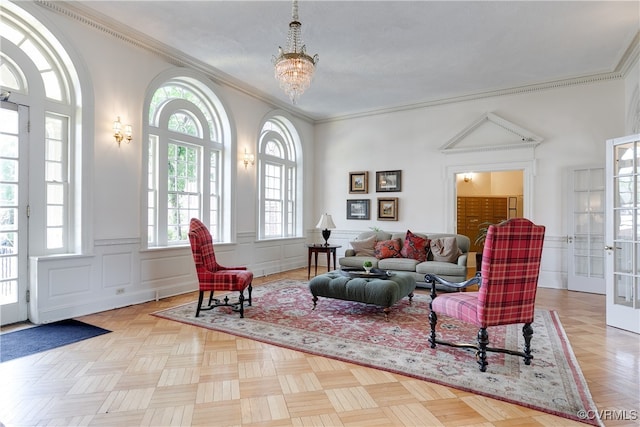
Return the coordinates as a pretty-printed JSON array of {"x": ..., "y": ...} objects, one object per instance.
[
  {"x": 488, "y": 197},
  {"x": 13, "y": 212}
]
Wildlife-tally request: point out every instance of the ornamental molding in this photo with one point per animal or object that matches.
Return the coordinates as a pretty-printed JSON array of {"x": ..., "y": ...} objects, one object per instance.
[{"x": 516, "y": 136}]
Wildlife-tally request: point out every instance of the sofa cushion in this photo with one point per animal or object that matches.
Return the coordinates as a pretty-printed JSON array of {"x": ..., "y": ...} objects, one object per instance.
[
  {"x": 397, "y": 264},
  {"x": 415, "y": 247},
  {"x": 445, "y": 249},
  {"x": 442, "y": 269},
  {"x": 364, "y": 247},
  {"x": 388, "y": 249},
  {"x": 358, "y": 261}
]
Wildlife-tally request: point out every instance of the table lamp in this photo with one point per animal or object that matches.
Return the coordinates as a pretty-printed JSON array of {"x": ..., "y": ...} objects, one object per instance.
[{"x": 326, "y": 225}]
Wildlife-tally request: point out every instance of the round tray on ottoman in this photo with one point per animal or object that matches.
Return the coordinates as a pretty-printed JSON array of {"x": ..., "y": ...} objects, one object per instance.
[
  {"x": 384, "y": 291},
  {"x": 374, "y": 273}
]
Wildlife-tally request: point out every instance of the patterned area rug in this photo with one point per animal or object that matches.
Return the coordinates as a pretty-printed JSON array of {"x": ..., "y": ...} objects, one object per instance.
[{"x": 282, "y": 315}]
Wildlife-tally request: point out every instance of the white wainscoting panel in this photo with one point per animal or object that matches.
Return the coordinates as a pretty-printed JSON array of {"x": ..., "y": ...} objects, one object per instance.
[{"x": 117, "y": 269}]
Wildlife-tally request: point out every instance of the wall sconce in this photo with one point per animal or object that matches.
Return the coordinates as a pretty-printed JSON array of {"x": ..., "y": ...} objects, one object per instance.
[
  {"x": 118, "y": 134},
  {"x": 468, "y": 177},
  {"x": 248, "y": 158}
]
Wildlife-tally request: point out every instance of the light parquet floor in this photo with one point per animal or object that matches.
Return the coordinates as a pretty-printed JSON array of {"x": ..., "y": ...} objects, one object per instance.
[{"x": 154, "y": 372}]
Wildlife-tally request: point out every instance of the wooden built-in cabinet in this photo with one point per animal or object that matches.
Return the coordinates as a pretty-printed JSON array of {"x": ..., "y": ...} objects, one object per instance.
[{"x": 473, "y": 211}]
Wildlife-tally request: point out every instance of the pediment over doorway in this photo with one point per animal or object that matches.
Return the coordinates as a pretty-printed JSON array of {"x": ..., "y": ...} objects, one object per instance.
[{"x": 489, "y": 133}]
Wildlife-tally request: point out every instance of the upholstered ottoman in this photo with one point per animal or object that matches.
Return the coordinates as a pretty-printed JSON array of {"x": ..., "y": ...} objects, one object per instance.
[{"x": 383, "y": 291}]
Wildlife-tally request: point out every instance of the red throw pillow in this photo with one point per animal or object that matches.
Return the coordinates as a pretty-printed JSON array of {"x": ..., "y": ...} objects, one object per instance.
[
  {"x": 388, "y": 249},
  {"x": 415, "y": 247}
]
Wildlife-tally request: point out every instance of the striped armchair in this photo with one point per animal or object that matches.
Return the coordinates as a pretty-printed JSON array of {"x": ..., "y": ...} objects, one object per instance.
[
  {"x": 214, "y": 277},
  {"x": 508, "y": 282}
]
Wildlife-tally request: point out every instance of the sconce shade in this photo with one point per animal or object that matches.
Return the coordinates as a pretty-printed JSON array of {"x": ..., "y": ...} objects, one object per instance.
[{"x": 326, "y": 224}]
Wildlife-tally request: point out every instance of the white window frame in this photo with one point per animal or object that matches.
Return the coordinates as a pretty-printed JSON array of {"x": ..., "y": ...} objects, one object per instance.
[
  {"x": 212, "y": 138},
  {"x": 280, "y": 131}
]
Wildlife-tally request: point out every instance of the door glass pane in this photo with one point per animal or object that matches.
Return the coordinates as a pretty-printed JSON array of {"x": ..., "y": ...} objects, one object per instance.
[
  {"x": 624, "y": 155},
  {"x": 623, "y": 223},
  {"x": 623, "y": 290},
  {"x": 9, "y": 143},
  {"x": 623, "y": 260},
  {"x": 623, "y": 187}
]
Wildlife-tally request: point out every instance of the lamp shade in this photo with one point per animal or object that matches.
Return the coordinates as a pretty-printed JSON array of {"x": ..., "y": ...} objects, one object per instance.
[{"x": 326, "y": 222}]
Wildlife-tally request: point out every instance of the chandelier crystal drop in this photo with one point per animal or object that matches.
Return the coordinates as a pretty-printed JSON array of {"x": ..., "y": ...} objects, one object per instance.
[{"x": 293, "y": 67}]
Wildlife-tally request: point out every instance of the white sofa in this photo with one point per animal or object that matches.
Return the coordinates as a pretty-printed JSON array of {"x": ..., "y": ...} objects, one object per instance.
[{"x": 450, "y": 271}]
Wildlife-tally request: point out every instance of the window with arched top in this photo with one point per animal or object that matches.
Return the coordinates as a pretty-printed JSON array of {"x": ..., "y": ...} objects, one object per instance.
[
  {"x": 278, "y": 151},
  {"x": 39, "y": 81},
  {"x": 188, "y": 132}
]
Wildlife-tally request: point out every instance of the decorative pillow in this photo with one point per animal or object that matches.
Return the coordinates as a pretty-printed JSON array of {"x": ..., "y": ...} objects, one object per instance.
[
  {"x": 364, "y": 247},
  {"x": 415, "y": 247},
  {"x": 445, "y": 249},
  {"x": 388, "y": 249}
]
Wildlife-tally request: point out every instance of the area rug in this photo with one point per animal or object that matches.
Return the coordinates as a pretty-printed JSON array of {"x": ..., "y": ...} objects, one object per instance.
[
  {"x": 45, "y": 337},
  {"x": 282, "y": 315}
]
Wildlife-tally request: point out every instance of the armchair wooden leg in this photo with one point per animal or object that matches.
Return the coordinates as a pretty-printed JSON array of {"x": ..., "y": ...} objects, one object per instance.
[
  {"x": 250, "y": 289},
  {"x": 241, "y": 304},
  {"x": 483, "y": 341},
  {"x": 433, "y": 320},
  {"x": 527, "y": 333},
  {"x": 200, "y": 297}
]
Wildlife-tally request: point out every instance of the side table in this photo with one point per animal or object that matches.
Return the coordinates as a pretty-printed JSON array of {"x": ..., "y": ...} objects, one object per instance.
[{"x": 317, "y": 248}]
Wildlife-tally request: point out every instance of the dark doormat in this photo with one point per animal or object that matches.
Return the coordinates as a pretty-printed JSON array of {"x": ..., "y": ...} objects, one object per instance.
[{"x": 45, "y": 337}]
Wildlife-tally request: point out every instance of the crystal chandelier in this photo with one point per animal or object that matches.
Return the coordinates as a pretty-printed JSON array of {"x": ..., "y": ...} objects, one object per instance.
[{"x": 293, "y": 67}]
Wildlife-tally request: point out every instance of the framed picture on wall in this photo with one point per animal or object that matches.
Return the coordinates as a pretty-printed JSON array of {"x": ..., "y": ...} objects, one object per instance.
[
  {"x": 388, "y": 209},
  {"x": 358, "y": 182},
  {"x": 358, "y": 209},
  {"x": 388, "y": 181}
]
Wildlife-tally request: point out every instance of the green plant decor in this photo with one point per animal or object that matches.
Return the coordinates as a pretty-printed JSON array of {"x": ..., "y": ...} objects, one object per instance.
[
  {"x": 483, "y": 228},
  {"x": 367, "y": 264}
]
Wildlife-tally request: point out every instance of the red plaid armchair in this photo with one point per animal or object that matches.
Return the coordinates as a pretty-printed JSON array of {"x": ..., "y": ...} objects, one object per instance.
[
  {"x": 508, "y": 282},
  {"x": 214, "y": 277}
]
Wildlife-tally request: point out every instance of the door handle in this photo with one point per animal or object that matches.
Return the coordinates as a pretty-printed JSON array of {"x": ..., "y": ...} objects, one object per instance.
[{"x": 608, "y": 248}]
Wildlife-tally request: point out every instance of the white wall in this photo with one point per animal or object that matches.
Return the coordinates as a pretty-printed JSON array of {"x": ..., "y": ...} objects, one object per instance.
[{"x": 574, "y": 122}]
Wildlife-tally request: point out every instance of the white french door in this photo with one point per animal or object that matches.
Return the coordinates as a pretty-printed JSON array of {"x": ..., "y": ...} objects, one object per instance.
[
  {"x": 13, "y": 212},
  {"x": 623, "y": 233},
  {"x": 586, "y": 254}
]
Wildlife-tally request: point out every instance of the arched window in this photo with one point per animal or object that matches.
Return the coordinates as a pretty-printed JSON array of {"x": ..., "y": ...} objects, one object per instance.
[
  {"x": 279, "y": 191},
  {"x": 187, "y": 161},
  {"x": 45, "y": 88}
]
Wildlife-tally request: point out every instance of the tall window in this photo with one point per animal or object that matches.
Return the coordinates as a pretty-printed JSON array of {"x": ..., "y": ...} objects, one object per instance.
[
  {"x": 187, "y": 127},
  {"x": 39, "y": 73},
  {"x": 278, "y": 179}
]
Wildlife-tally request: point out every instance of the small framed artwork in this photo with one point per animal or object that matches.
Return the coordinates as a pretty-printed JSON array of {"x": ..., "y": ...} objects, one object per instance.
[
  {"x": 388, "y": 209},
  {"x": 388, "y": 181},
  {"x": 358, "y": 182},
  {"x": 358, "y": 209}
]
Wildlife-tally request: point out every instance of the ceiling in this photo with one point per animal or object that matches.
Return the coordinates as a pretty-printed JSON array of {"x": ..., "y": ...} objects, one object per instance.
[{"x": 385, "y": 55}]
